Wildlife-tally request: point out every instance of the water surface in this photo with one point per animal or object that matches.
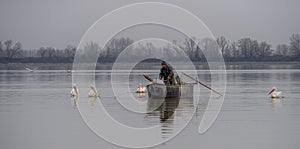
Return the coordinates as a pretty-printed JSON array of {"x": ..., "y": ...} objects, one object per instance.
[{"x": 36, "y": 111}]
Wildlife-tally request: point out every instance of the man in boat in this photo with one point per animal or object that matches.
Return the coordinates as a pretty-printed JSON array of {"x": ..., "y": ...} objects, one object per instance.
[{"x": 166, "y": 73}]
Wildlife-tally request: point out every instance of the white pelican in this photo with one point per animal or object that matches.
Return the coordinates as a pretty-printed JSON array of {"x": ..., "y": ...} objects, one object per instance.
[
  {"x": 274, "y": 93},
  {"x": 93, "y": 92},
  {"x": 74, "y": 91},
  {"x": 141, "y": 89},
  {"x": 30, "y": 70}
]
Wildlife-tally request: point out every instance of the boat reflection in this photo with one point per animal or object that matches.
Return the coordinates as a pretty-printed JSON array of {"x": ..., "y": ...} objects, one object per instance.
[
  {"x": 172, "y": 113},
  {"x": 167, "y": 108},
  {"x": 163, "y": 107}
]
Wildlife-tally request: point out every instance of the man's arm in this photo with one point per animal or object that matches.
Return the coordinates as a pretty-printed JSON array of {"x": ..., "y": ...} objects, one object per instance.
[{"x": 160, "y": 75}]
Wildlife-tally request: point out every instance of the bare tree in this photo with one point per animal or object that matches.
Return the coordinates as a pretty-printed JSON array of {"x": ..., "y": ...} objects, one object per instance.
[
  {"x": 59, "y": 53},
  {"x": 235, "y": 52},
  {"x": 50, "y": 52},
  {"x": 210, "y": 48},
  {"x": 249, "y": 48},
  {"x": 223, "y": 45},
  {"x": 91, "y": 50},
  {"x": 7, "y": 47},
  {"x": 295, "y": 44},
  {"x": 42, "y": 52},
  {"x": 16, "y": 49},
  {"x": 282, "y": 50},
  {"x": 124, "y": 43},
  {"x": 254, "y": 49},
  {"x": 244, "y": 46},
  {"x": 116, "y": 46},
  {"x": 264, "y": 49},
  {"x": 11, "y": 49},
  {"x": 69, "y": 51},
  {"x": 190, "y": 47}
]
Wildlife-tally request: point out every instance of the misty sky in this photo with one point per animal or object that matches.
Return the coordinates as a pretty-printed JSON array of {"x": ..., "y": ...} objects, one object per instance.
[{"x": 58, "y": 23}]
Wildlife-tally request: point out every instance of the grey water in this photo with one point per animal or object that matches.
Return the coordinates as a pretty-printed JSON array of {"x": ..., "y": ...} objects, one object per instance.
[{"x": 36, "y": 110}]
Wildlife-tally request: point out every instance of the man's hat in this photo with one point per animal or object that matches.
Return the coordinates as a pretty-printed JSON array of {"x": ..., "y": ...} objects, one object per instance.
[{"x": 163, "y": 63}]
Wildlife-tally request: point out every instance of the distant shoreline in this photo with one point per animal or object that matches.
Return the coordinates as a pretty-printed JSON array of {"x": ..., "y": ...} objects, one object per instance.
[{"x": 152, "y": 66}]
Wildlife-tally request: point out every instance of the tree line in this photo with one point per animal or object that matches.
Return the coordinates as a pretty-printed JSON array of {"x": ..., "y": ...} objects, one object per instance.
[
  {"x": 11, "y": 52},
  {"x": 245, "y": 49},
  {"x": 248, "y": 49}
]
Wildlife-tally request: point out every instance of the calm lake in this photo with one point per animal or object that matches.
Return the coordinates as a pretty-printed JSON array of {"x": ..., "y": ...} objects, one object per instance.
[{"x": 37, "y": 112}]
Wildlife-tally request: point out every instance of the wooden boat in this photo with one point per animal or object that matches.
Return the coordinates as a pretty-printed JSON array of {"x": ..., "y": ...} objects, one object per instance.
[
  {"x": 157, "y": 90},
  {"x": 179, "y": 90}
]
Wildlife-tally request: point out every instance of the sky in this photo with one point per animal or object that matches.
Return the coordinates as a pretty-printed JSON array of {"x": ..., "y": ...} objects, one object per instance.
[{"x": 58, "y": 23}]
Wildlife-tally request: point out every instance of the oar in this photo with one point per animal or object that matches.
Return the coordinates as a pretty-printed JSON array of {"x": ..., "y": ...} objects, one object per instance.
[
  {"x": 202, "y": 84},
  {"x": 148, "y": 78}
]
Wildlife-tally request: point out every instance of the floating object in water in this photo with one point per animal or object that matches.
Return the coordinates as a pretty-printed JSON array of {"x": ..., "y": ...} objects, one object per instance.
[
  {"x": 30, "y": 70},
  {"x": 93, "y": 92},
  {"x": 69, "y": 71},
  {"x": 74, "y": 91},
  {"x": 275, "y": 94},
  {"x": 141, "y": 89}
]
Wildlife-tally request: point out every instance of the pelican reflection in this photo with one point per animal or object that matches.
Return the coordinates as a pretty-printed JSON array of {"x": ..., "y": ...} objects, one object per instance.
[{"x": 74, "y": 101}]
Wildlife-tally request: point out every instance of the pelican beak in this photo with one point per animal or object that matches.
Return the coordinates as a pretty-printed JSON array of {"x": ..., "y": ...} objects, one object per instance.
[
  {"x": 75, "y": 88},
  {"x": 271, "y": 91}
]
